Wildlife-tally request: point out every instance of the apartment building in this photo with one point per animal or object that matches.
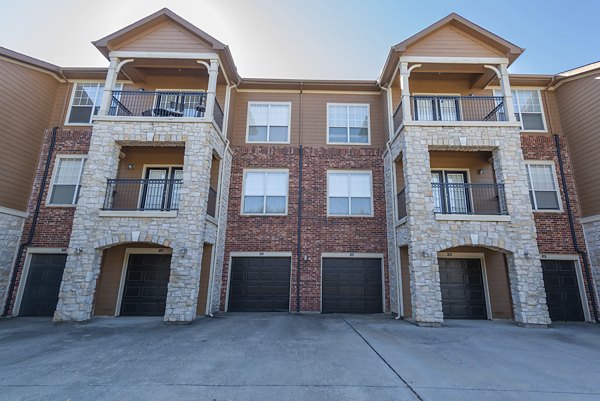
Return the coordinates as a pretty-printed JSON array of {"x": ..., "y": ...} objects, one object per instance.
[{"x": 172, "y": 186}]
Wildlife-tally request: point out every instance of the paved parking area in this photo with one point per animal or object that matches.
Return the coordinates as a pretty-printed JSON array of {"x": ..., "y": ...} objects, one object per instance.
[{"x": 293, "y": 357}]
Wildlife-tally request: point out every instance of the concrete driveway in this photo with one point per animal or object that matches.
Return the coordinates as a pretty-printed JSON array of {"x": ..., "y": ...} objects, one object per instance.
[{"x": 293, "y": 357}]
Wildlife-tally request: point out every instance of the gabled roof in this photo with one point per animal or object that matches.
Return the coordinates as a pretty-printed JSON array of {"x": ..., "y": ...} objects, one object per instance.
[
  {"x": 33, "y": 62},
  {"x": 489, "y": 39},
  {"x": 580, "y": 70}
]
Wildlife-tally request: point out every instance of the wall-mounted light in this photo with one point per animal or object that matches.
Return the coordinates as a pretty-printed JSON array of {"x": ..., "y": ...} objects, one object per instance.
[
  {"x": 425, "y": 254},
  {"x": 526, "y": 254},
  {"x": 182, "y": 252},
  {"x": 130, "y": 166},
  {"x": 481, "y": 172},
  {"x": 78, "y": 250}
]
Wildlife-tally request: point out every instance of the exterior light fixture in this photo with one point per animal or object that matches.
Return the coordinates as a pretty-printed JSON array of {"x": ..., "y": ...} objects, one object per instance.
[
  {"x": 182, "y": 252},
  {"x": 130, "y": 166}
]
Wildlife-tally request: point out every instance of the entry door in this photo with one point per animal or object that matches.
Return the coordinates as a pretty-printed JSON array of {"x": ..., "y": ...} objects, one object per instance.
[
  {"x": 458, "y": 195},
  {"x": 146, "y": 282},
  {"x": 175, "y": 187},
  {"x": 562, "y": 290},
  {"x": 154, "y": 191},
  {"x": 42, "y": 285},
  {"x": 463, "y": 294}
]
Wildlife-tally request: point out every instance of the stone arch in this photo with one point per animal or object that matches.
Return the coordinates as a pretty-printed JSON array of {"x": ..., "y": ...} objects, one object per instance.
[
  {"x": 476, "y": 240},
  {"x": 133, "y": 237}
]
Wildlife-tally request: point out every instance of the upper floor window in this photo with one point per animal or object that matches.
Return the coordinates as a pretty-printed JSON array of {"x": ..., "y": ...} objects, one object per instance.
[
  {"x": 265, "y": 192},
  {"x": 528, "y": 109},
  {"x": 268, "y": 122},
  {"x": 66, "y": 180},
  {"x": 348, "y": 124},
  {"x": 85, "y": 102},
  {"x": 543, "y": 187},
  {"x": 349, "y": 193}
]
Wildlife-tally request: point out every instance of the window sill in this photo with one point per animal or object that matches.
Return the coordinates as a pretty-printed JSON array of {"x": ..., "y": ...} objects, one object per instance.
[
  {"x": 401, "y": 222},
  {"x": 547, "y": 211},
  {"x": 263, "y": 214},
  {"x": 471, "y": 217},
  {"x": 138, "y": 213},
  {"x": 212, "y": 220}
]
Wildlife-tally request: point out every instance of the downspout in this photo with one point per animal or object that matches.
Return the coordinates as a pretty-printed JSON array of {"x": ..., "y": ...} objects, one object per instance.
[
  {"x": 34, "y": 220},
  {"x": 299, "y": 234},
  {"x": 400, "y": 305},
  {"x": 579, "y": 251}
]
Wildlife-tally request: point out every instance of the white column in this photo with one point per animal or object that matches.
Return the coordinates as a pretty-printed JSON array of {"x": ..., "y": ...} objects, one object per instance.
[
  {"x": 507, "y": 93},
  {"x": 405, "y": 91},
  {"x": 211, "y": 93},
  {"x": 111, "y": 80}
]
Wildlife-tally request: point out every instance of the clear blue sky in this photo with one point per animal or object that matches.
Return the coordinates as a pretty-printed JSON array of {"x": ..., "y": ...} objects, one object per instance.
[{"x": 335, "y": 39}]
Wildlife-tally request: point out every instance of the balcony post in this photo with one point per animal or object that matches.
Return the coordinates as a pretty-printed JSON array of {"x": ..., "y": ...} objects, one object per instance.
[
  {"x": 507, "y": 93},
  {"x": 211, "y": 92},
  {"x": 111, "y": 80},
  {"x": 405, "y": 91}
]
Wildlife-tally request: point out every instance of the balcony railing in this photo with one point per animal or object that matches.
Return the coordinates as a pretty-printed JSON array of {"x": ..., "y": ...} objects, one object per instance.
[
  {"x": 401, "y": 204},
  {"x": 142, "y": 194},
  {"x": 398, "y": 118},
  {"x": 457, "y": 108},
  {"x": 157, "y": 104},
  {"x": 212, "y": 202},
  {"x": 473, "y": 199}
]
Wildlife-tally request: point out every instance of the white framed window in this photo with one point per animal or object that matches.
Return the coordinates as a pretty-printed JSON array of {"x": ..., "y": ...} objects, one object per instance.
[
  {"x": 348, "y": 124},
  {"x": 265, "y": 192},
  {"x": 349, "y": 193},
  {"x": 543, "y": 186},
  {"x": 268, "y": 122},
  {"x": 528, "y": 108},
  {"x": 66, "y": 180},
  {"x": 85, "y": 102}
]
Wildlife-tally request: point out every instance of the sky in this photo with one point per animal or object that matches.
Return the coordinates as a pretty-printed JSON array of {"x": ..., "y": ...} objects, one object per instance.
[{"x": 308, "y": 39}]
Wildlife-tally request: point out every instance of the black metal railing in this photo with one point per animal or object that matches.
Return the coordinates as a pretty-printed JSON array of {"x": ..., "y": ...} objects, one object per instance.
[
  {"x": 218, "y": 114},
  {"x": 157, "y": 104},
  {"x": 212, "y": 202},
  {"x": 469, "y": 199},
  {"x": 458, "y": 108},
  {"x": 142, "y": 194},
  {"x": 401, "y": 204},
  {"x": 398, "y": 116}
]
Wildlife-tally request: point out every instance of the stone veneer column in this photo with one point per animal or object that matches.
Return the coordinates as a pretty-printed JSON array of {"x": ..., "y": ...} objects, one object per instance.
[
  {"x": 392, "y": 248},
  {"x": 11, "y": 227},
  {"x": 591, "y": 231}
]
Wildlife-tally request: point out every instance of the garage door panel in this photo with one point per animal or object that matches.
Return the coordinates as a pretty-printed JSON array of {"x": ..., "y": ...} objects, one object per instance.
[
  {"x": 462, "y": 288},
  {"x": 259, "y": 284},
  {"x": 146, "y": 285},
  {"x": 351, "y": 285},
  {"x": 562, "y": 290},
  {"x": 42, "y": 284}
]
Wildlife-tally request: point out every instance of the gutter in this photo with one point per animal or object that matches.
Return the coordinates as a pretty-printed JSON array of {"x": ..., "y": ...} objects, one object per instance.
[
  {"x": 36, "y": 213},
  {"x": 299, "y": 233},
  {"x": 580, "y": 252}
]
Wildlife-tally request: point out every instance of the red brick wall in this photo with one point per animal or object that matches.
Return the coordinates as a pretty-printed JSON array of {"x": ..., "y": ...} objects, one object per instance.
[
  {"x": 553, "y": 233},
  {"x": 320, "y": 234},
  {"x": 53, "y": 228}
]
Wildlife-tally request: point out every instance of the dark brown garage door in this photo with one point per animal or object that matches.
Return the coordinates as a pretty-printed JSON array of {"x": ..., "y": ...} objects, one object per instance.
[
  {"x": 562, "y": 290},
  {"x": 259, "y": 285},
  {"x": 146, "y": 281},
  {"x": 463, "y": 294},
  {"x": 42, "y": 285},
  {"x": 352, "y": 285}
]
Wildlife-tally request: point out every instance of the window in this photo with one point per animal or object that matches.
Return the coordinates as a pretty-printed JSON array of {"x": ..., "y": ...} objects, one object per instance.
[
  {"x": 450, "y": 194},
  {"x": 528, "y": 109},
  {"x": 85, "y": 102},
  {"x": 543, "y": 189},
  {"x": 268, "y": 122},
  {"x": 348, "y": 123},
  {"x": 349, "y": 194},
  {"x": 265, "y": 192},
  {"x": 66, "y": 182},
  {"x": 437, "y": 108}
]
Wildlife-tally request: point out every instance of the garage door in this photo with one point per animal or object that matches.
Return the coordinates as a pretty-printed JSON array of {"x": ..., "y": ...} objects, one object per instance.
[
  {"x": 259, "y": 285},
  {"x": 146, "y": 281},
  {"x": 42, "y": 285},
  {"x": 352, "y": 285},
  {"x": 562, "y": 290},
  {"x": 463, "y": 294}
]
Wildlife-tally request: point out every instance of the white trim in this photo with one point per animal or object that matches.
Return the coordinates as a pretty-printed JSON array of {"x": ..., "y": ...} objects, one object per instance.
[
  {"x": 500, "y": 124},
  {"x": 257, "y": 255},
  {"x": 289, "y": 126},
  {"x": 25, "y": 273},
  {"x": 472, "y": 217},
  {"x": 138, "y": 213},
  {"x": 454, "y": 60},
  {"x": 264, "y": 170},
  {"x": 481, "y": 257},
  {"x": 56, "y": 164},
  {"x": 12, "y": 212},
  {"x": 336, "y": 171},
  {"x": 347, "y": 105},
  {"x": 72, "y": 97},
  {"x": 557, "y": 188},
  {"x": 578, "y": 272},
  {"x": 320, "y": 92},
  {"x": 168, "y": 55},
  {"x": 356, "y": 255},
  {"x": 589, "y": 219},
  {"x": 130, "y": 251}
]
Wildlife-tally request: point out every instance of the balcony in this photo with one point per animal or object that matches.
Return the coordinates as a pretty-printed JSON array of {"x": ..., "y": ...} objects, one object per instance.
[
  {"x": 162, "y": 104},
  {"x": 154, "y": 195},
  {"x": 401, "y": 204},
  {"x": 469, "y": 199},
  {"x": 453, "y": 109}
]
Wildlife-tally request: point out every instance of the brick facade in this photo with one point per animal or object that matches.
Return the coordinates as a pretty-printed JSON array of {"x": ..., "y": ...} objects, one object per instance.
[
  {"x": 54, "y": 224},
  {"x": 319, "y": 233}
]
